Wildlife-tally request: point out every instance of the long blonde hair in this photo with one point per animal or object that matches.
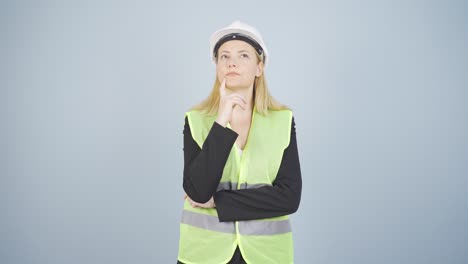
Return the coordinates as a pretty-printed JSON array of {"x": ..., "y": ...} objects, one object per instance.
[{"x": 263, "y": 100}]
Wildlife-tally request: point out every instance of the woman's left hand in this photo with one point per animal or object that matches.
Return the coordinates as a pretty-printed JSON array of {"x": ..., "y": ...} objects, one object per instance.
[{"x": 209, "y": 204}]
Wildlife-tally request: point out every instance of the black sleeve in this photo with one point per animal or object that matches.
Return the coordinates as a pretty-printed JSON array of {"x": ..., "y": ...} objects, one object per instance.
[
  {"x": 282, "y": 198},
  {"x": 204, "y": 167}
]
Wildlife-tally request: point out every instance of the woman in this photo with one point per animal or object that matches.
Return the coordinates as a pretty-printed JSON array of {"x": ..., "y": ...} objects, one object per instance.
[{"x": 242, "y": 175}]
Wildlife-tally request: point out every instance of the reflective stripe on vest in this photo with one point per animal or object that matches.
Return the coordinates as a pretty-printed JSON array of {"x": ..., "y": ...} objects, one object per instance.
[
  {"x": 233, "y": 186},
  {"x": 249, "y": 227},
  {"x": 208, "y": 222}
]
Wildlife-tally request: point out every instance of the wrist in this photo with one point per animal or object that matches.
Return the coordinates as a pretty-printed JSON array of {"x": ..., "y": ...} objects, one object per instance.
[{"x": 221, "y": 122}]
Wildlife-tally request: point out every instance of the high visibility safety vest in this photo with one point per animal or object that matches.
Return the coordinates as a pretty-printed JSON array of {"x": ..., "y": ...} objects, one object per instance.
[{"x": 205, "y": 240}]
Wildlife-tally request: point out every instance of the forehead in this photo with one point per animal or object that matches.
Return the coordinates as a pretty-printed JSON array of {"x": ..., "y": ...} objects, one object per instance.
[{"x": 235, "y": 45}]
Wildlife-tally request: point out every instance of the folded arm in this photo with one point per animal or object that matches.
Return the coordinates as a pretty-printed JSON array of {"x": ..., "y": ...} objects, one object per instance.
[{"x": 203, "y": 170}]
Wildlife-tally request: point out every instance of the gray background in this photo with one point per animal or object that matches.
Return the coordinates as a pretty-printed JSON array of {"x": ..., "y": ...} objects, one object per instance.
[{"x": 93, "y": 95}]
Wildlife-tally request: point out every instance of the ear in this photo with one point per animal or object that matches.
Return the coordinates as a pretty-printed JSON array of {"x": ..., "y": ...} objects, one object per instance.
[{"x": 259, "y": 69}]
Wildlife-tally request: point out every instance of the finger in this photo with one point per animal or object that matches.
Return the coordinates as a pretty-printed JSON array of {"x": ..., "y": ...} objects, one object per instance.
[
  {"x": 239, "y": 103},
  {"x": 185, "y": 196},
  {"x": 192, "y": 203},
  {"x": 235, "y": 95},
  {"x": 222, "y": 87},
  {"x": 238, "y": 98}
]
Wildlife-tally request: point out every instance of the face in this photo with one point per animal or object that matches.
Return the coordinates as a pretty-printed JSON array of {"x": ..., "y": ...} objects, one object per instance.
[{"x": 237, "y": 63}]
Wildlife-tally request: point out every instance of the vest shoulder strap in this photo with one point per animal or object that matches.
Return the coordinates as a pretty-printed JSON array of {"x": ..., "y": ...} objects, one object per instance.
[
  {"x": 200, "y": 125},
  {"x": 280, "y": 121}
]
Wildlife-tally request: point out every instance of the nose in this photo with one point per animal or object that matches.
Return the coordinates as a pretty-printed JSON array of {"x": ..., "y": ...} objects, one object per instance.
[{"x": 232, "y": 63}]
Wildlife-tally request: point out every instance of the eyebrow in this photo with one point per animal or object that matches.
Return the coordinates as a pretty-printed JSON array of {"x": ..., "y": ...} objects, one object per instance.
[{"x": 237, "y": 52}]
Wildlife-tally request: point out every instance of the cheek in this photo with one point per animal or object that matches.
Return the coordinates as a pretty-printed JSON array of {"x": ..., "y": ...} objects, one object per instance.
[
  {"x": 219, "y": 73},
  {"x": 252, "y": 72}
]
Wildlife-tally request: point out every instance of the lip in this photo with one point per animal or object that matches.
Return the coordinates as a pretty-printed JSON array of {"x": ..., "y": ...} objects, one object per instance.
[{"x": 232, "y": 73}]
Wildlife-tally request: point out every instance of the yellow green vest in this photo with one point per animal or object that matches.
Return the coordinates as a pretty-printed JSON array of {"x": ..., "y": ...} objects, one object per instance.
[{"x": 205, "y": 240}]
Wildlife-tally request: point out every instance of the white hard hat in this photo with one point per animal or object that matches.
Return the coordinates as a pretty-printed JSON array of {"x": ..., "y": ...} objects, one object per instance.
[{"x": 238, "y": 31}]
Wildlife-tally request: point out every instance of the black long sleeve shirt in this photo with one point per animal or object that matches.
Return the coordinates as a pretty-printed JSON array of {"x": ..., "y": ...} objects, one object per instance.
[{"x": 203, "y": 169}]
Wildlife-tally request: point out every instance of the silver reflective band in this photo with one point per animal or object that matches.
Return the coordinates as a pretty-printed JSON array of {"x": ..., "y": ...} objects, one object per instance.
[
  {"x": 250, "y": 227},
  {"x": 227, "y": 186},
  {"x": 233, "y": 186},
  {"x": 253, "y": 185},
  {"x": 259, "y": 228},
  {"x": 207, "y": 222}
]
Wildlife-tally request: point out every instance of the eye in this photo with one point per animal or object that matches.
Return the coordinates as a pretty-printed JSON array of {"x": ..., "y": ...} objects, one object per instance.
[
  {"x": 244, "y": 55},
  {"x": 223, "y": 56}
]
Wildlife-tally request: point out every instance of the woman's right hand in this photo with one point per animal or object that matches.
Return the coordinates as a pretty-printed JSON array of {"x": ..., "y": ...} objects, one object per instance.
[
  {"x": 227, "y": 102},
  {"x": 210, "y": 204}
]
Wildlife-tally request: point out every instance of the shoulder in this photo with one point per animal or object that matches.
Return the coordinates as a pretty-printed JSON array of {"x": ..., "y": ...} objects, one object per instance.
[
  {"x": 198, "y": 120},
  {"x": 284, "y": 114},
  {"x": 288, "y": 116},
  {"x": 192, "y": 114}
]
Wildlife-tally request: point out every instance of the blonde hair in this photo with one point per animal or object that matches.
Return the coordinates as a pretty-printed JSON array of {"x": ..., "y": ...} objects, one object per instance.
[{"x": 263, "y": 100}]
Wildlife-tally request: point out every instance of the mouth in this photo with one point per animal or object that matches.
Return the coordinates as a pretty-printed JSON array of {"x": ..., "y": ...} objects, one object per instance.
[{"x": 232, "y": 74}]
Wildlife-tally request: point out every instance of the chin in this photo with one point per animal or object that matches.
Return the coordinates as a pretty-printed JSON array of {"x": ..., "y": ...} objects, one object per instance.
[{"x": 234, "y": 85}]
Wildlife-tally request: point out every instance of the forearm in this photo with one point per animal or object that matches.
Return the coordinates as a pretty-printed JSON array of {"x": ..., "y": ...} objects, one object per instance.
[
  {"x": 263, "y": 202},
  {"x": 281, "y": 198},
  {"x": 203, "y": 167}
]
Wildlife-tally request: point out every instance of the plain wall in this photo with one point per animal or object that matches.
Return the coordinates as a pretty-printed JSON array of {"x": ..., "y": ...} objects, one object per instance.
[{"x": 93, "y": 95}]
